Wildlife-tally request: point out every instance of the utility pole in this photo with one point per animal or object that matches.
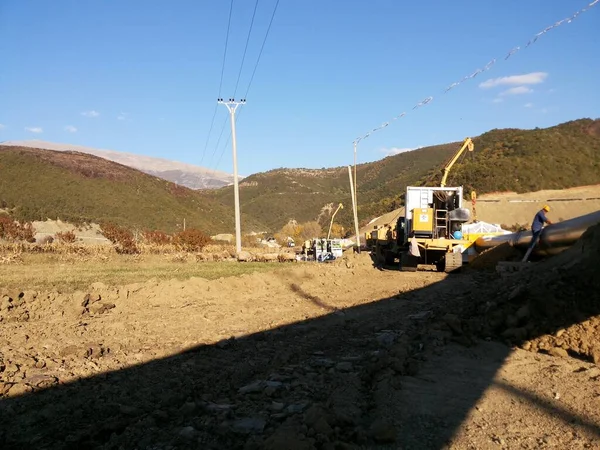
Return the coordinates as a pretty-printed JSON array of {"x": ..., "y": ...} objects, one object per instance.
[
  {"x": 354, "y": 208},
  {"x": 355, "y": 198},
  {"x": 355, "y": 145},
  {"x": 232, "y": 105}
]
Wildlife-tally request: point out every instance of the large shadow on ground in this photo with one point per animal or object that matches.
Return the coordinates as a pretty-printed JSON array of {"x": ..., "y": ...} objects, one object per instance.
[{"x": 321, "y": 383}]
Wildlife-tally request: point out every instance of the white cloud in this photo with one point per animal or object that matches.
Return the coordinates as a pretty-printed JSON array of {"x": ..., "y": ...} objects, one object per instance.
[
  {"x": 71, "y": 129},
  {"x": 35, "y": 130},
  {"x": 519, "y": 90},
  {"x": 498, "y": 100},
  {"x": 397, "y": 150},
  {"x": 528, "y": 78},
  {"x": 528, "y": 105},
  {"x": 122, "y": 116},
  {"x": 91, "y": 113},
  {"x": 2, "y": 126}
]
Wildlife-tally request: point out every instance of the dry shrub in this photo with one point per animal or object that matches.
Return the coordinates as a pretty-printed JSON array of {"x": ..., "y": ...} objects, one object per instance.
[
  {"x": 217, "y": 248},
  {"x": 16, "y": 231},
  {"x": 180, "y": 257},
  {"x": 121, "y": 237},
  {"x": 13, "y": 258},
  {"x": 65, "y": 237},
  {"x": 156, "y": 249},
  {"x": 191, "y": 240},
  {"x": 203, "y": 257},
  {"x": 156, "y": 237},
  {"x": 250, "y": 241}
]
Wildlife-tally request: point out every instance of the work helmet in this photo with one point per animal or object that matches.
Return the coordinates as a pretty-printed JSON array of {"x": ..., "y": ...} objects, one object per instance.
[{"x": 546, "y": 208}]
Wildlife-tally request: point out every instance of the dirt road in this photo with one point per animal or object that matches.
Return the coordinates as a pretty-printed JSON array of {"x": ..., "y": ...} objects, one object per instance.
[{"x": 319, "y": 356}]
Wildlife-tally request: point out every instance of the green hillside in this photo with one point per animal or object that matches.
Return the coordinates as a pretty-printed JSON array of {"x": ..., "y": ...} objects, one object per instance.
[
  {"x": 558, "y": 157},
  {"x": 283, "y": 194},
  {"x": 43, "y": 184},
  {"x": 563, "y": 156},
  {"x": 76, "y": 187}
]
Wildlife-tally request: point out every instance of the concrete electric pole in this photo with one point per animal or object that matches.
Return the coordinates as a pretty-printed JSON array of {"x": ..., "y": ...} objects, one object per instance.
[
  {"x": 232, "y": 105},
  {"x": 355, "y": 199}
]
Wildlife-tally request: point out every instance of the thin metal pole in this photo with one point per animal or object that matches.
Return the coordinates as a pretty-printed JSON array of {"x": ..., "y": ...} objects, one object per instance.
[
  {"x": 232, "y": 105},
  {"x": 354, "y": 208}
]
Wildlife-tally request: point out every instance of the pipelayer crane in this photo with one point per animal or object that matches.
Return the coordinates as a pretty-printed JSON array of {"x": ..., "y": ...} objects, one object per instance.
[{"x": 429, "y": 232}]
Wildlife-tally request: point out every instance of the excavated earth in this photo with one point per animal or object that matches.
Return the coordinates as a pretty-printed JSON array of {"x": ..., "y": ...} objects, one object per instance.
[{"x": 318, "y": 356}]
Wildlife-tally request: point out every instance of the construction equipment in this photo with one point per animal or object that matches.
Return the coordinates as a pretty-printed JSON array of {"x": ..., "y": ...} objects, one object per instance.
[
  {"x": 340, "y": 206},
  {"x": 429, "y": 232},
  {"x": 467, "y": 144}
]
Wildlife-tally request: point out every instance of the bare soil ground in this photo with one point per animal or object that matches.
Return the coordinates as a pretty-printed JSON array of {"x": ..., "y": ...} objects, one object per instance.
[
  {"x": 312, "y": 356},
  {"x": 89, "y": 233}
]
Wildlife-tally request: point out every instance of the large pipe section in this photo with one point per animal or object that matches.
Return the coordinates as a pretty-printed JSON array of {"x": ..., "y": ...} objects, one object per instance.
[{"x": 554, "y": 238}]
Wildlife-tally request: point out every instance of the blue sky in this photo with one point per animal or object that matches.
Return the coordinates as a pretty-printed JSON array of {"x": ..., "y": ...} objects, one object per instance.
[{"x": 142, "y": 76}]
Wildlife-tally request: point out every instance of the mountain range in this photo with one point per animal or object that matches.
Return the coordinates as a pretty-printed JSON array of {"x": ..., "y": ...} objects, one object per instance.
[
  {"x": 36, "y": 184},
  {"x": 188, "y": 175}
]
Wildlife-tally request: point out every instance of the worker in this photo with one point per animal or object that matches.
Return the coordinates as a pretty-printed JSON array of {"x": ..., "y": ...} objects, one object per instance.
[
  {"x": 536, "y": 229},
  {"x": 306, "y": 248}
]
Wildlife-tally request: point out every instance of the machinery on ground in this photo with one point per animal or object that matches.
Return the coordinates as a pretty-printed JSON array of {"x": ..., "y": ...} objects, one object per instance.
[
  {"x": 430, "y": 230},
  {"x": 467, "y": 145},
  {"x": 322, "y": 249}
]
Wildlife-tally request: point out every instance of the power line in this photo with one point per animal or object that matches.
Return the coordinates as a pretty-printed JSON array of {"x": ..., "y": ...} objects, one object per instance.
[
  {"x": 212, "y": 122},
  {"x": 262, "y": 48},
  {"x": 219, "y": 140},
  {"x": 225, "y": 51},
  {"x": 484, "y": 69},
  {"x": 253, "y": 71},
  {"x": 245, "y": 49}
]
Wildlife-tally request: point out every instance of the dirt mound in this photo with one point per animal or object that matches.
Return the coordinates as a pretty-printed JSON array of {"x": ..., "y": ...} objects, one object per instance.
[{"x": 551, "y": 307}]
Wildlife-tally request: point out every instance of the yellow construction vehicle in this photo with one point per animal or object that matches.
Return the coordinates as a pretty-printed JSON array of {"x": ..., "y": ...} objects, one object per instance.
[
  {"x": 429, "y": 231},
  {"x": 467, "y": 144}
]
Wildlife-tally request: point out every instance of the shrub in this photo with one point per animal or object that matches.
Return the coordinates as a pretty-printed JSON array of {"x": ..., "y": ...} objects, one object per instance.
[
  {"x": 191, "y": 240},
  {"x": 337, "y": 231},
  {"x": 65, "y": 237},
  {"x": 250, "y": 241},
  {"x": 15, "y": 231},
  {"x": 121, "y": 237},
  {"x": 156, "y": 237},
  {"x": 310, "y": 230}
]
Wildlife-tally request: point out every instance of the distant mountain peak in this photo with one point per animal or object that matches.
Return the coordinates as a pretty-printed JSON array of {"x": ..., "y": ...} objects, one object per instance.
[{"x": 188, "y": 175}]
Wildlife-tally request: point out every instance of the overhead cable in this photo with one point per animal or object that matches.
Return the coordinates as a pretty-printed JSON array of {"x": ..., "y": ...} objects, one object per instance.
[
  {"x": 212, "y": 122},
  {"x": 485, "y": 68}
]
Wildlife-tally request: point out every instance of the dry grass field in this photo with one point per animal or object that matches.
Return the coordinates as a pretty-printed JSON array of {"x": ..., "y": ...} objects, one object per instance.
[{"x": 67, "y": 267}]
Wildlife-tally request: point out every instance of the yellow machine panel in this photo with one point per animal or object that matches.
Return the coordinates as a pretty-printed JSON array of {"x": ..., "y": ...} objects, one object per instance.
[{"x": 422, "y": 220}]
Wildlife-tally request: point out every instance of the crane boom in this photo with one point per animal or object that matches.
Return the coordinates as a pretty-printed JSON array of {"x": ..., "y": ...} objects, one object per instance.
[{"x": 468, "y": 144}]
